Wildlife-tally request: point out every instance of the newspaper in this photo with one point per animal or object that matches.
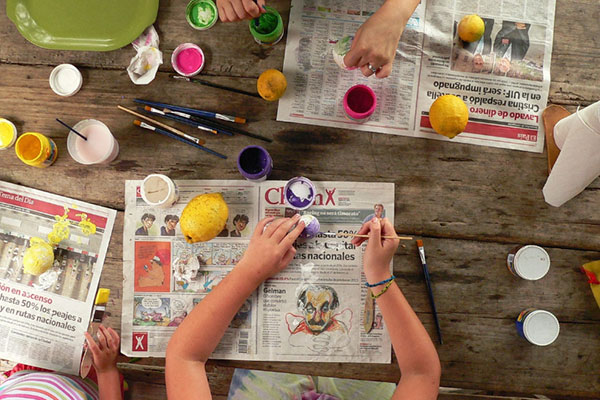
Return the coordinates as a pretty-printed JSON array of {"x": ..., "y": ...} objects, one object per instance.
[
  {"x": 43, "y": 318},
  {"x": 504, "y": 78},
  {"x": 165, "y": 277}
]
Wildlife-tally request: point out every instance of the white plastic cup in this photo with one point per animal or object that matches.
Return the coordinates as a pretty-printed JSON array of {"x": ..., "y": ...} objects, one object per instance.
[
  {"x": 101, "y": 147},
  {"x": 529, "y": 262},
  {"x": 159, "y": 191},
  {"x": 538, "y": 327}
]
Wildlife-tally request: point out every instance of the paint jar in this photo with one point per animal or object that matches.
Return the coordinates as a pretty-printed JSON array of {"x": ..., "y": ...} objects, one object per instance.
[
  {"x": 101, "y": 147},
  {"x": 65, "y": 80},
  {"x": 299, "y": 193},
  {"x": 359, "y": 103},
  {"x": 269, "y": 30},
  {"x": 159, "y": 191},
  {"x": 188, "y": 59},
  {"x": 255, "y": 163},
  {"x": 201, "y": 14},
  {"x": 529, "y": 262},
  {"x": 36, "y": 150},
  {"x": 539, "y": 327},
  {"x": 8, "y": 134}
]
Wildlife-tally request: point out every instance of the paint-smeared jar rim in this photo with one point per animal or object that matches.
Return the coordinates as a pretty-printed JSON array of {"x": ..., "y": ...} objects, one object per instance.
[
  {"x": 541, "y": 327},
  {"x": 180, "y": 48},
  {"x": 210, "y": 23},
  {"x": 306, "y": 181}
]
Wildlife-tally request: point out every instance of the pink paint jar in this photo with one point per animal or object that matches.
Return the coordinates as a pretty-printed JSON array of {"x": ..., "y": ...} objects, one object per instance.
[
  {"x": 188, "y": 59},
  {"x": 101, "y": 147},
  {"x": 359, "y": 103}
]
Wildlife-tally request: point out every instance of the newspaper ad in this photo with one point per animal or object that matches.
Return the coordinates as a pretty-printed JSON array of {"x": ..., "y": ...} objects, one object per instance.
[
  {"x": 503, "y": 78},
  {"x": 43, "y": 317},
  {"x": 312, "y": 311}
]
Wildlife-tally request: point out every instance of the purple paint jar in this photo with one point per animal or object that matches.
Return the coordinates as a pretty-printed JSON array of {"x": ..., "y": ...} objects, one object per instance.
[
  {"x": 299, "y": 193},
  {"x": 359, "y": 103},
  {"x": 539, "y": 327},
  {"x": 255, "y": 163}
]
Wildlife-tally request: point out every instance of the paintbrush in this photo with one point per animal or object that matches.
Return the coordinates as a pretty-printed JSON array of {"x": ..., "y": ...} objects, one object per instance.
[
  {"x": 429, "y": 291},
  {"x": 193, "y": 111},
  {"x": 164, "y": 126},
  {"x": 172, "y": 136},
  {"x": 343, "y": 234},
  {"x": 74, "y": 131},
  {"x": 217, "y": 86},
  {"x": 162, "y": 113}
]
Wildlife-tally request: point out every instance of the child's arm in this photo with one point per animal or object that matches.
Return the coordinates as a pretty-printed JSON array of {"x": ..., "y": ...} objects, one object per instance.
[
  {"x": 417, "y": 357},
  {"x": 269, "y": 252},
  {"x": 105, "y": 354},
  {"x": 375, "y": 42}
]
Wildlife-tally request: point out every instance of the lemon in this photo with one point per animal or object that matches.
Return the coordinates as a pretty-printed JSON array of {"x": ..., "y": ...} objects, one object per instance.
[
  {"x": 449, "y": 115},
  {"x": 471, "y": 28},
  {"x": 38, "y": 258},
  {"x": 271, "y": 84},
  {"x": 204, "y": 217}
]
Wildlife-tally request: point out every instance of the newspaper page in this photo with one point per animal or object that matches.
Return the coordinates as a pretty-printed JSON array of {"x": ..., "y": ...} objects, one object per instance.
[
  {"x": 43, "y": 317},
  {"x": 165, "y": 277},
  {"x": 504, "y": 78}
]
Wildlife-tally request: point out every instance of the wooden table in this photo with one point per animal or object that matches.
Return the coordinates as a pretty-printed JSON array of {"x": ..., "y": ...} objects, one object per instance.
[{"x": 470, "y": 204}]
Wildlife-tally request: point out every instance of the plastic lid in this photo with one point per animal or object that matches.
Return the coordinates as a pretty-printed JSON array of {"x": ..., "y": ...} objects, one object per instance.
[
  {"x": 541, "y": 327},
  {"x": 65, "y": 80},
  {"x": 531, "y": 262},
  {"x": 8, "y": 134}
]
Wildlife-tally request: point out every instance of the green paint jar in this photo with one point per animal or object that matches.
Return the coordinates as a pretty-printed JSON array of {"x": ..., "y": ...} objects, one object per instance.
[
  {"x": 270, "y": 28},
  {"x": 201, "y": 14}
]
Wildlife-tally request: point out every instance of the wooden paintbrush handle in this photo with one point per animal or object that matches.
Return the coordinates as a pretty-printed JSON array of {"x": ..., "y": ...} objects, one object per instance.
[{"x": 383, "y": 237}]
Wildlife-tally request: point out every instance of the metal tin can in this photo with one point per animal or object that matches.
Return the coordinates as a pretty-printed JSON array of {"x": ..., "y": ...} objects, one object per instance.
[
  {"x": 538, "y": 327},
  {"x": 529, "y": 262}
]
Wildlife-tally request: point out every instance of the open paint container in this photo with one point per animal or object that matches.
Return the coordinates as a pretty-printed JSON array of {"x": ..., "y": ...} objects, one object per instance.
[
  {"x": 299, "y": 193},
  {"x": 539, "y": 327},
  {"x": 268, "y": 28},
  {"x": 255, "y": 163},
  {"x": 359, "y": 103},
  {"x": 8, "y": 134},
  {"x": 529, "y": 262},
  {"x": 159, "y": 191},
  {"x": 188, "y": 59},
  {"x": 101, "y": 147},
  {"x": 201, "y": 14},
  {"x": 36, "y": 149}
]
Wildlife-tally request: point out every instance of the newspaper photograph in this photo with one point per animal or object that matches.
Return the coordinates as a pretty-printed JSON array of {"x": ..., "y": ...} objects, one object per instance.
[
  {"x": 503, "y": 78},
  {"x": 312, "y": 311},
  {"x": 43, "y": 316}
]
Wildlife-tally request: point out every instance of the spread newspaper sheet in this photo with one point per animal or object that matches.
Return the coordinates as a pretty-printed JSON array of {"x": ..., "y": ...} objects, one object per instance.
[{"x": 312, "y": 311}]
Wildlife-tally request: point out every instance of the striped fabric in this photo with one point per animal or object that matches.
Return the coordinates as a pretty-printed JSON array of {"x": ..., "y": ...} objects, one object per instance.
[{"x": 36, "y": 385}]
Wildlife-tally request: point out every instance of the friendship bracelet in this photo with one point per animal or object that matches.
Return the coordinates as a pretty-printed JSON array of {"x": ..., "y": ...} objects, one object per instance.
[
  {"x": 391, "y": 278},
  {"x": 385, "y": 288}
]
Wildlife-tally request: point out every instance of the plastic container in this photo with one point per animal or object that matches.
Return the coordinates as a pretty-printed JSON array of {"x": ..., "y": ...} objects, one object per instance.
[
  {"x": 101, "y": 146},
  {"x": 529, "y": 262},
  {"x": 255, "y": 163},
  {"x": 36, "y": 149},
  {"x": 188, "y": 59},
  {"x": 65, "y": 80},
  {"x": 359, "y": 103},
  {"x": 201, "y": 14},
  {"x": 299, "y": 193},
  {"x": 538, "y": 327},
  {"x": 270, "y": 17},
  {"x": 8, "y": 134},
  {"x": 159, "y": 191}
]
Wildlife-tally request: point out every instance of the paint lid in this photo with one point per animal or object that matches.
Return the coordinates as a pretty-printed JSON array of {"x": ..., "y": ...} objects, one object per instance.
[
  {"x": 8, "y": 134},
  {"x": 299, "y": 193},
  {"x": 541, "y": 327},
  {"x": 201, "y": 14},
  {"x": 159, "y": 190},
  {"x": 531, "y": 262},
  {"x": 65, "y": 80},
  {"x": 188, "y": 59}
]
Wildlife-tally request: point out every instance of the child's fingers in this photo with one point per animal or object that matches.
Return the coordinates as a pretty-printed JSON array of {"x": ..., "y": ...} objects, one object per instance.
[
  {"x": 107, "y": 336},
  {"x": 273, "y": 226},
  {"x": 251, "y": 8},
  {"x": 101, "y": 339},
  {"x": 375, "y": 233},
  {"x": 115, "y": 337},
  {"x": 285, "y": 227},
  {"x": 288, "y": 257},
  {"x": 290, "y": 238},
  {"x": 364, "y": 230},
  {"x": 91, "y": 344},
  {"x": 260, "y": 227}
]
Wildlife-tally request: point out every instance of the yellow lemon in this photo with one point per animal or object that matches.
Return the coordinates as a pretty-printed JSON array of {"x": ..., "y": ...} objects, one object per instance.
[
  {"x": 271, "y": 85},
  {"x": 449, "y": 115},
  {"x": 204, "y": 217},
  {"x": 471, "y": 28},
  {"x": 38, "y": 258}
]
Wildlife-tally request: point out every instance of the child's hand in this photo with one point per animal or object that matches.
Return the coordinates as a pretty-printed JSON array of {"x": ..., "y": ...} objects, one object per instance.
[
  {"x": 379, "y": 252},
  {"x": 104, "y": 352},
  {"x": 272, "y": 248},
  {"x": 237, "y": 10}
]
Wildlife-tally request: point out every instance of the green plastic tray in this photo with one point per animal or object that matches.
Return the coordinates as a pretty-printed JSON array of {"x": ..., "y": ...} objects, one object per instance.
[{"x": 96, "y": 25}]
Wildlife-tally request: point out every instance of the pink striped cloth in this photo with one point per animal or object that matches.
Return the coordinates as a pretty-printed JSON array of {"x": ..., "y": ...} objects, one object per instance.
[{"x": 36, "y": 385}]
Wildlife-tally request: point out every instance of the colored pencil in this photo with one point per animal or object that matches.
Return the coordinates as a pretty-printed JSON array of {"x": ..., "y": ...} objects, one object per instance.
[
  {"x": 164, "y": 126},
  {"x": 162, "y": 113},
  {"x": 217, "y": 86},
  {"x": 74, "y": 131},
  {"x": 429, "y": 291},
  {"x": 173, "y": 136},
  {"x": 364, "y": 236},
  {"x": 193, "y": 111}
]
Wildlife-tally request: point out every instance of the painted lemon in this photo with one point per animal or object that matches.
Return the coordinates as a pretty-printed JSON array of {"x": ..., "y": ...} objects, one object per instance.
[
  {"x": 449, "y": 115},
  {"x": 204, "y": 217},
  {"x": 471, "y": 28},
  {"x": 38, "y": 258},
  {"x": 271, "y": 84}
]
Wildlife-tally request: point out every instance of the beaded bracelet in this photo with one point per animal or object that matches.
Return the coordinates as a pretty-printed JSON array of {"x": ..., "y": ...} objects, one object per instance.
[
  {"x": 385, "y": 288},
  {"x": 391, "y": 278}
]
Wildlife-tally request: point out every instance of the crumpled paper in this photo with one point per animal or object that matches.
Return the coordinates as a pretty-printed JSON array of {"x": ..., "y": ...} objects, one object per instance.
[
  {"x": 143, "y": 67},
  {"x": 592, "y": 271}
]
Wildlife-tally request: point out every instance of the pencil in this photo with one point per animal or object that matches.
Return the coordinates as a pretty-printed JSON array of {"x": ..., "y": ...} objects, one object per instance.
[
  {"x": 193, "y": 111},
  {"x": 429, "y": 291},
  {"x": 173, "y": 136},
  {"x": 164, "y": 126},
  {"x": 216, "y": 86},
  {"x": 162, "y": 113}
]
